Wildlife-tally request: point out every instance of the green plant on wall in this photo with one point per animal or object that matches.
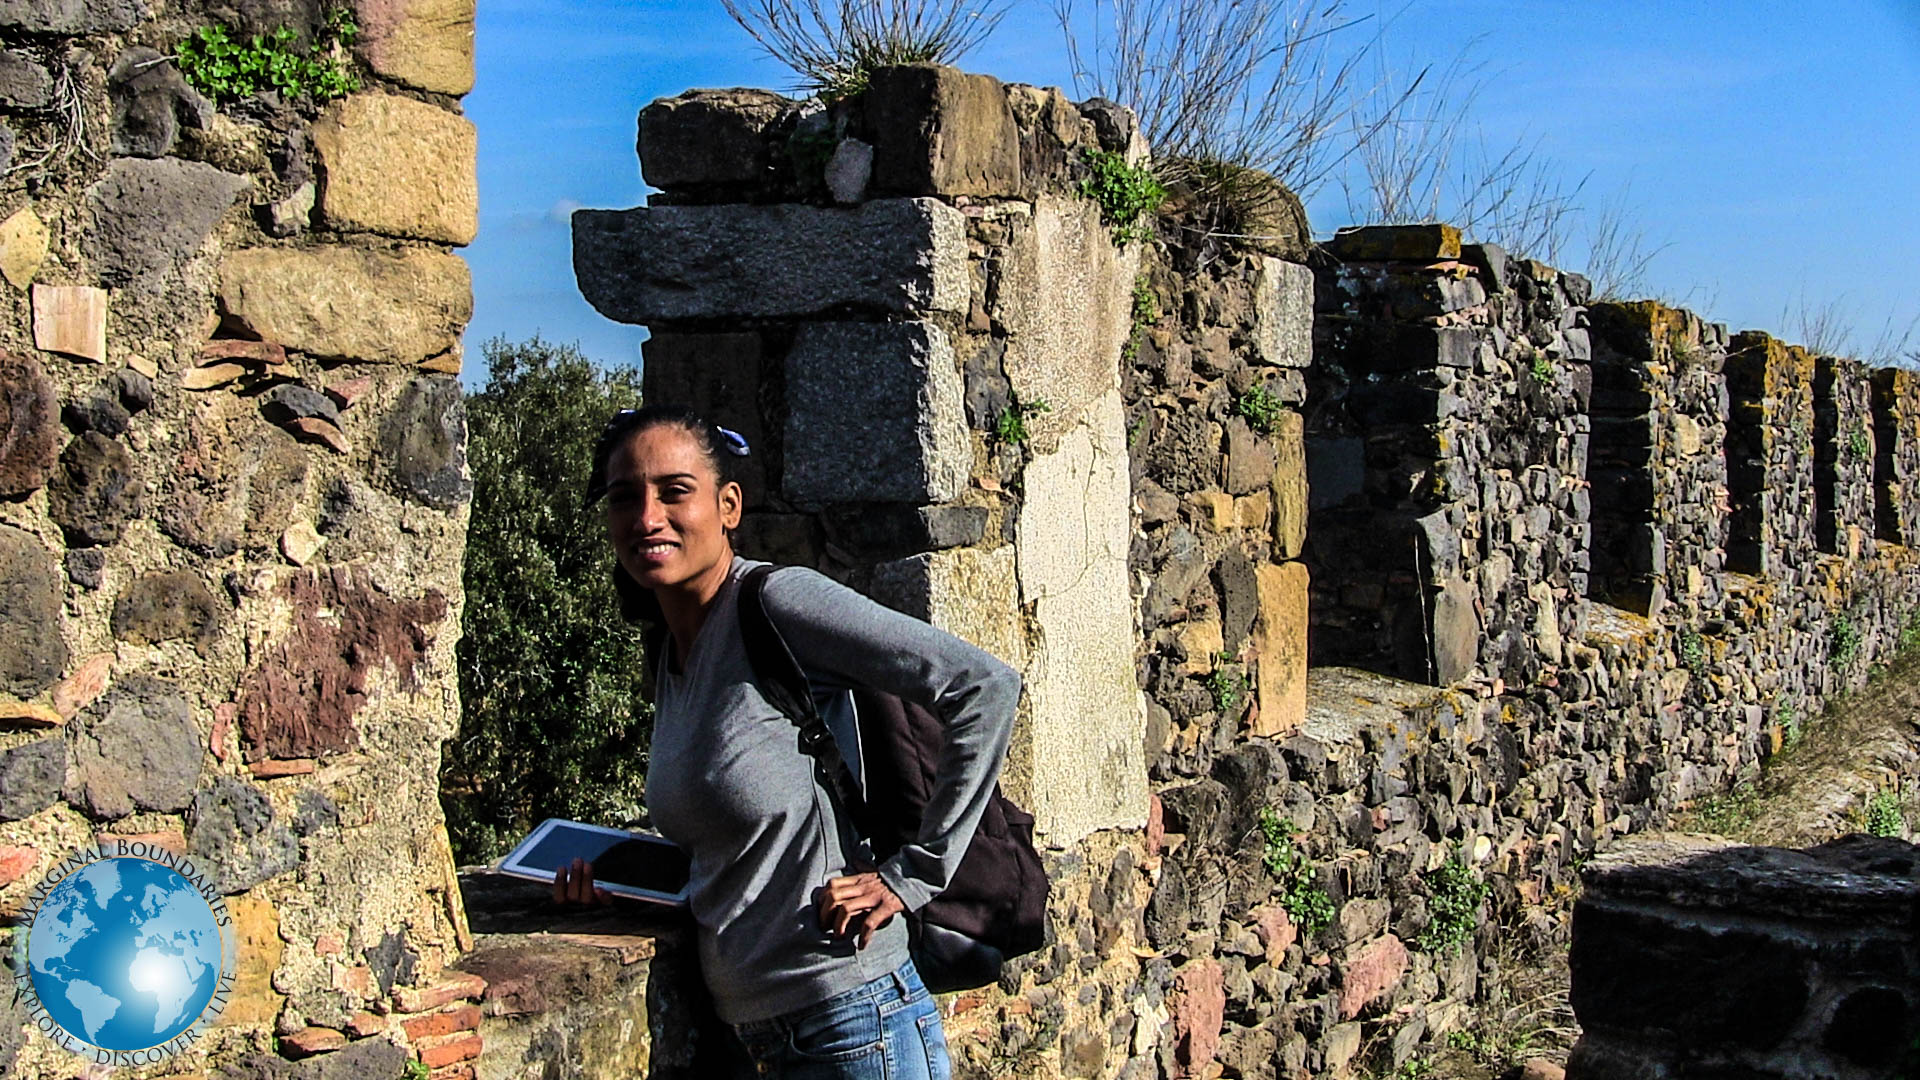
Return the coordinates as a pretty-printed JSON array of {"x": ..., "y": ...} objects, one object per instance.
[
  {"x": 1454, "y": 908},
  {"x": 1225, "y": 683},
  {"x": 226, "y": 69},
  {"x": 1910, "y": 631},
  {"x": 1693, "y": 651},
  {"x": 1843, "y": 641},
  {"x": 1299, "y": 893},
  {"x": 1011, "y": 426},
  {"x": 1857, "y": 442},
  {"x": 1260, "y": 406},
  {"x": 1125, "y": 194},
  {"x": 1788, "y": 718},
  {"x": 1883, "y": 814},
  {"x": 1145, "y": 313},
  {"x": 1540, "y": 368}
]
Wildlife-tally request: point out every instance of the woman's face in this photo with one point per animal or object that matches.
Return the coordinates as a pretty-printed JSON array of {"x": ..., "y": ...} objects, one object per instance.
[{"x": 667, "y": 512}]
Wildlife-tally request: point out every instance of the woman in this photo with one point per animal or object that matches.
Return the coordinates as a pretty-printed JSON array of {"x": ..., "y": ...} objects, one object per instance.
[{"x": 798, "y": 940}]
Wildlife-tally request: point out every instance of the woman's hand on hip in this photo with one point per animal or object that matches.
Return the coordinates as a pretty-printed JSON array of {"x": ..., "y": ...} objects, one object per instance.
[{"x": 858, "y": 903}]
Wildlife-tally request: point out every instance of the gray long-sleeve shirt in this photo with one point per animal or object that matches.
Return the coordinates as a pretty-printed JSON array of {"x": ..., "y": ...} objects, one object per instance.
[{"x": 727, "y": 782}]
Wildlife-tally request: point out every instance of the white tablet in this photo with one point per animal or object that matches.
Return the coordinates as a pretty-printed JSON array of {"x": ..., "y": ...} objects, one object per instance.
[{"x": 636, "y": 865}]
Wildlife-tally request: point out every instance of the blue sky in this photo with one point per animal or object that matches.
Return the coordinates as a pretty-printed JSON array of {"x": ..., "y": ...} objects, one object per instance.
[{"x": 1768, "y": 149}]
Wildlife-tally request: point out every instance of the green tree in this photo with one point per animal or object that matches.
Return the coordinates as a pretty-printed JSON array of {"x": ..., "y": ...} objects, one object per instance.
[{"x": 552, "y": 719}]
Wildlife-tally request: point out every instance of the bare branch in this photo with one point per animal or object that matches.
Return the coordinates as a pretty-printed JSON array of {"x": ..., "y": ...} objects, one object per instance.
[{"x": 834, "y": 44}]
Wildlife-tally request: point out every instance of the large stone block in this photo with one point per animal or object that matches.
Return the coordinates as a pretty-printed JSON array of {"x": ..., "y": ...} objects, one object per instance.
[
  {"x": 709, "y": 138},
  {"x": 23, "y": 247},
  {"x": 345, "y": 303},
  {"x": 1291, "y": 496},
  {"x": 1066, "y": 300},
  {"x": 257, "y": 930},
  {"x": 299, "y": 699},
  {"x": 96, "y": 492},
  {"x": 423, "y": 443},
  {"x": 71, "y": 16},
  {"x": 151, "y": 100},
  {"x": 1081, "y": 755},
  {"x": 968, "y": 592},
  {"x": 32, "y": 651},
  {"x": 425, "y": 44},
  {"x": 232, "y": 829},
  {"x": 1396, "y": 243},
  {"x": 1283, "y": 314},
  {"x": 875, "y": 413},
  {"x": 718, "y": 376},
  {"x": 1281, "y": 686},
  {"x": 940, "y": 131},
  {"x": 398, "y": 167},
  {"x": 29, "y": 436},
  {"x": 166, "y": 606},
  {"x": 236, "y": 483},
  {"x": 24, "y": 82},
  {"x": 669, "y": 263},
  {"x": 137, "y": 748},
  {"x": 31, "y": 777},
  {"x": 1455, "y": 638},
  {"x": 150, "y": 215}
]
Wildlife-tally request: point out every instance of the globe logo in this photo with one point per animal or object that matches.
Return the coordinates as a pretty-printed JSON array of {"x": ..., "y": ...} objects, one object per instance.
[{"x": 127, "y": 957}]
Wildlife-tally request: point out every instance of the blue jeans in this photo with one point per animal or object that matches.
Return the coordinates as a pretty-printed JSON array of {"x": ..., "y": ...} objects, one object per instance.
[{"x": 887, "y": 1029}]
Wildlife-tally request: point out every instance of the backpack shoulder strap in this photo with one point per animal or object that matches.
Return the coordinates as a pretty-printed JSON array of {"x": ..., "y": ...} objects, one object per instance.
[{"x": 784, "y": 683}]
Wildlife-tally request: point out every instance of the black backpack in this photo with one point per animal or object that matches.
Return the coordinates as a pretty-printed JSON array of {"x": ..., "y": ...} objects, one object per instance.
[{"x": 995, "y": 907}]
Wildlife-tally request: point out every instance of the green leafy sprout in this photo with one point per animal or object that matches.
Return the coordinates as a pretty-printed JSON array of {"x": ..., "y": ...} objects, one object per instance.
[
  {"x": 1884, "y": 817},
  {"x": 1541, "y": 368},
  {"x": 1300, "y": 894},
  {"x": 1693, "y": 650},
  {"x": 1146, "y": 312},
  {"x": 1843, "y": 641},
  {"x": 416, "y": 1070},
  {"x": 1857, "y": 443},
  {"x": 1260, "y": 406},
  {"x": 1011, "y": 426},
  {"x": 1125, "y": 194},
  {"x": 1225, "y": 684},
  {"x": 226, "y": 69},
  {"x": 1454, "y": 908}
]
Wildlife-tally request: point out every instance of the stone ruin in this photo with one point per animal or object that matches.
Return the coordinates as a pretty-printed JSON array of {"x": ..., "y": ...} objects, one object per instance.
[
  {"x": 233, "y": 508},
  {"x": 1695, "y": 957},
  {"x": 1426, "y": 552},
  {"x": 1404, "y": 545}
]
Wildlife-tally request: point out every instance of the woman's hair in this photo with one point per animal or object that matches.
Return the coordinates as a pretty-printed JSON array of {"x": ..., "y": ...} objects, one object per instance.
[{"x": 721, "y": 448}]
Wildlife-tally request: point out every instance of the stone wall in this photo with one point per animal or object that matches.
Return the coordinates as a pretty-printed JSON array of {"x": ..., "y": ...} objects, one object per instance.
[
  {"x": 233, "y": 506},
  {"x": 886, "y": 281},
  {"x": 1696, "y": 957},
  {"x": 1557, "y": 564}
]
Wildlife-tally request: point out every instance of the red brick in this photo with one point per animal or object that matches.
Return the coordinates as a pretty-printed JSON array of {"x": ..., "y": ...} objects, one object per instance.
[
  {"x": 1156, "y": 825},
  {"x": 259, "y": 352},
  {"x": 456, "y": 987},
  {"x": 462, "y": 1018},
  {"x": 1370, "y": 971},
  {"x": 448, "y": 1049},
  {"x": 1276, "y": 931},
  {"x": 362, "y": 1024},
  {"x": 309, "y": 1041},
  {"x": 1200, "y": 1005},
  {"x": 15, "y": 862},
  {"x": 275, "y": 767}
]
